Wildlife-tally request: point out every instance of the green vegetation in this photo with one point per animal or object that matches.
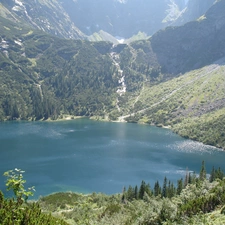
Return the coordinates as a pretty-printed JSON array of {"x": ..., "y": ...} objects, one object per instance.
[
  {"x": 195, "y": 199},
  {"x": 15, "y": 182},
  {"x": 192, "y": 200},
  {"x": 18, "y": 212},
  {"x": 102, "y": 36},
  {"x": 43, "y": 77},
  {"x": 137, "y": 37},
  {"x": 192, "y": 105}
]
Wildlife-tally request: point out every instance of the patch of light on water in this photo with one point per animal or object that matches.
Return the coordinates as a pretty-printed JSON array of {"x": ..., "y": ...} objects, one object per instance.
[
  {"x": 170, "y": 133},
  {"x": 53, "y": 134},
  {"x": 177, "y": 172},
  {"x": 146, "y": 144},
  {"x": 189, "y": 146},
  {"x": 50, "y": 158},
  {"x": 71, "y": 130},
  {"x": 27, "y": 128},
  {"x": 115, "y": 143}
]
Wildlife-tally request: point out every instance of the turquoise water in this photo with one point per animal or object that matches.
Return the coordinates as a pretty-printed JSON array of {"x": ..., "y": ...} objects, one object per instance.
[{"x": 90, "y": 156}]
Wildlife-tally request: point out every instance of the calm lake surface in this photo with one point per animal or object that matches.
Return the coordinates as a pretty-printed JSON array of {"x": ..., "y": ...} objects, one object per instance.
[{"x": 90, "y": 156}]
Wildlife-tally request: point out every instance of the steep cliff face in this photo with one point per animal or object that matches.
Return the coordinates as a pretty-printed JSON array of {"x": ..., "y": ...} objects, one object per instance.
[
  {"x": 193, "y": 10},
  {"x": 48, "y": 16},
  {"x": 195, "y": 44}
]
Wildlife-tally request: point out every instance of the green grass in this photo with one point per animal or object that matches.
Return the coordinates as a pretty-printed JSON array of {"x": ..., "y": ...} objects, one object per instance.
[{"x": 187, "y": 103}]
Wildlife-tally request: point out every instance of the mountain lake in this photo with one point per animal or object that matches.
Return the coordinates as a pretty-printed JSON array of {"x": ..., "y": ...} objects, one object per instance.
[{"x": 87, "y": 156}]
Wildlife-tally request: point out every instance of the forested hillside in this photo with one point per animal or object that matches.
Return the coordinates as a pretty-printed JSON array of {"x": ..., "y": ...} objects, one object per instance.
[
  {"x": 175, "y": 78},
  {"x": 182, "y": 74},
  {"x": 43, "y": 76}
]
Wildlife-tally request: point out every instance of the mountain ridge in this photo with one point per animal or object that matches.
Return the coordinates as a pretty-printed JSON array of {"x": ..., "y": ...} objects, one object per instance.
[
  {"x": 196, "y": 38},
  {"x": 68, "y": 19},
  {"x": 48, "y": 16}
]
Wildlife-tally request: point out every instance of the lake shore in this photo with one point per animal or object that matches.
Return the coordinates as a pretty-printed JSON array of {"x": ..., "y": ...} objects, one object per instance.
[{"x": 65, "y": 118}]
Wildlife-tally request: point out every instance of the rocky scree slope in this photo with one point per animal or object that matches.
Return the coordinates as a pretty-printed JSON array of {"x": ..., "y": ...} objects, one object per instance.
[{"x": 48, "y": 16}]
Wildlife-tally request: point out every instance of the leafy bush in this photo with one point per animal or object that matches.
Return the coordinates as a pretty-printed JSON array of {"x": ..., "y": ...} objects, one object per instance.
[{"x": 19, "y": 212}]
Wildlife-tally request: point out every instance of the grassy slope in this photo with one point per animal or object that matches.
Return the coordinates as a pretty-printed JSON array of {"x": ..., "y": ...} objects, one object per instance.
[{"x": 192, "y": 104}]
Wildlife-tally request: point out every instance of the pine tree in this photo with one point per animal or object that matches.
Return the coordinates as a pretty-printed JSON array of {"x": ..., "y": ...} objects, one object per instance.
[
  {"x": 192, "y": 178},
  {"x": 164, "y": 189},
  {"x": 171, "y": 190},
  {"x": 123, "y": 197},
  {"x": 136, "y": 192},
  {"x": 212, "y": 175},
  {"x": 179, "y": 186},
  {"x": 186, "y": 181},
  {"x": 142, "y": 189},
  {"x": 130, "y": 193},
  {"x": 148, "y": 190},
  {"x": 219, "y": 174},
  {"x": 157, "y": 189},
  {"x": 202, "y": 174}
]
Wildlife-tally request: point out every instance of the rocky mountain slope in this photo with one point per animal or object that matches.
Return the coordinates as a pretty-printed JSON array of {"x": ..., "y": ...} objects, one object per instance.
[
  {"x": 192, "y": 11},
  {"x": 48, "y": 16},
  {"x": 192, "y": 45},
  {"x": 80, "y": 19},
  {"x": 118, "y": 18}
]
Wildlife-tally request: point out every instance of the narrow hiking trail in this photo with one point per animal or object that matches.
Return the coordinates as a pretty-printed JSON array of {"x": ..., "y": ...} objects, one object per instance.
[{"x": 207, "y": 72}]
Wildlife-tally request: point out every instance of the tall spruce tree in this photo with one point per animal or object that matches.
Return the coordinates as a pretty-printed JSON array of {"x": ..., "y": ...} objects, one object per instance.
[
  {"x": 142, "y": 190},
  {"x": 164, "y": 189},
  {"x": 157, "y": 189},
  {"x": 179, "y": 186},
  {"x": 212, "y": 175},
  {"x": 202, "y": 174},
  {"x": 136, "y": 192}
]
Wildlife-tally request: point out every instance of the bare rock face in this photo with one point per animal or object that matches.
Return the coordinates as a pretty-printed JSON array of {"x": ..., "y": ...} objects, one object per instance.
[
  {"x": 193, "y": 10},
  {"x": 195, "y": 44},
  {"x": 48, "y": 16}
]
